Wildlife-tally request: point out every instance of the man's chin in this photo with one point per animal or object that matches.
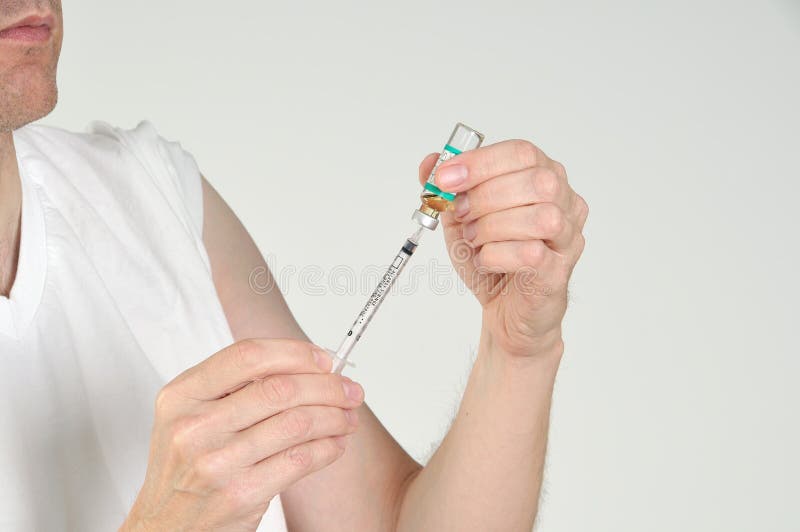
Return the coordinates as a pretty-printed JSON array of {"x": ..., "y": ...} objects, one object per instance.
[{"x": 18, "y": 112}]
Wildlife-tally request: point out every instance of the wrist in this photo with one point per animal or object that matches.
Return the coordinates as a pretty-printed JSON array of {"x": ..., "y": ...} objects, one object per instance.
[
  {"x": 542, "y": 349},
  {"x": 513, "y": 370}
]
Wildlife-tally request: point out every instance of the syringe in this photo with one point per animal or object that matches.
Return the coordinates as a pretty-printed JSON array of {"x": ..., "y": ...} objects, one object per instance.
[
  {"x": 434, "y": 201},
  {"x": 375, "y": 300}
]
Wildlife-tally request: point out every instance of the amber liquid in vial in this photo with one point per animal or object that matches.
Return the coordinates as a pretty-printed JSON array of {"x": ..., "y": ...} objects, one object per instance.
[{"x": 436, "y": 202}]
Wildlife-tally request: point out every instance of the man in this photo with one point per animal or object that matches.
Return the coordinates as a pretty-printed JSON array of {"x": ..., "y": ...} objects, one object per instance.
[{"x": 120, "y": 267}]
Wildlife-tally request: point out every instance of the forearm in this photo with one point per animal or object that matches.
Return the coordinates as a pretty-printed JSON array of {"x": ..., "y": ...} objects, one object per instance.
[{"x": 487, "y": 473}]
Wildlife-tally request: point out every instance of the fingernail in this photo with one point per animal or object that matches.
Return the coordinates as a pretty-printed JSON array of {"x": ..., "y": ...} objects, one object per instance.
[
  {"x": 351, "y": 416},
  {"x": 470, "y": 231},
  {"x": 451, "y": 176},
  {"x": 352, "y": 390},
  {"x": 322, "y": 359}
]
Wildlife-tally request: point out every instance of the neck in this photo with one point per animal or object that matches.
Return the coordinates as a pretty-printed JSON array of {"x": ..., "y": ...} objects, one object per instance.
[{"x": 10, "y": 209}]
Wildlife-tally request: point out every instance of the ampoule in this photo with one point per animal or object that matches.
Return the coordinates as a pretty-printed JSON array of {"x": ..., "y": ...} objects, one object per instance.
[{"x": 434, "y": 200}]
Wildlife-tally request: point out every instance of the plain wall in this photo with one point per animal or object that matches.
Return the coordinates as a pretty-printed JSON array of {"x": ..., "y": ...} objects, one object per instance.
[{"x": 676, "y": 406}]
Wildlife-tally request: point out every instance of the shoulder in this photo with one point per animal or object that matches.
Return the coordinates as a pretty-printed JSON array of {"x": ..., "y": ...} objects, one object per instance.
[
  {"x": 102, "y": 140},
  {"x": 143, "y": 141},
  {"x": 129, "y": 164},
  {"x": 124, "y": 155},
  {"x": 56, "y": 142},
  {"x": 174, "y": 169}
]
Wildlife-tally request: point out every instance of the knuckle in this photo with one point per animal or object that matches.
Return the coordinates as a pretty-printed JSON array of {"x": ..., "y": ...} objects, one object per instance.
[
  {"x": 526, "y": 152},
  {"x": 296, "y": 425},
  {"x": 327, "y": 451},
  {"x": 552, "y": 220},
  {"x": 580, "y": 244},
  {"x": 211, "y": 467},
  {"x": 183, "y": 436},
  {"x": 559, "y": 169},
  {"x": 166, "y": 399},
  {"x": 293, "y": 346},
  {"x": 207, "y": 473},
  {"x": 301, "y": 458},
  {"x": 277, "y": 390},
  {"x": 331, "y": 450},
  {"x": 547, "y": 184},
  {"x": 248, "y": 354},
  {"x": 582, "y": 207}
]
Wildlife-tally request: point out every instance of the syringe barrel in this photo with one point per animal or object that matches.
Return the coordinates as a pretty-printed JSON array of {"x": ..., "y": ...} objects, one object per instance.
[
  {"x": 435, "y": 200},
  {"x": 373, "y": 303}
]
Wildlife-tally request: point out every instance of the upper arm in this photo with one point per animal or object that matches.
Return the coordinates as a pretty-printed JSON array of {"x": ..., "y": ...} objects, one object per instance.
[
  {"x": 363, "y": 489},
  {"x": 251, "y": 299}
]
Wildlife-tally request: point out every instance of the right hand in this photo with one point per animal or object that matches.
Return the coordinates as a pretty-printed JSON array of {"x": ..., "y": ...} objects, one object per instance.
[{"x": 238, "y": 429}]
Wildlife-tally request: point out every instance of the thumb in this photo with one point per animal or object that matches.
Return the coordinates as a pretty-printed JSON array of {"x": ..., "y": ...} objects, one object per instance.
[{"x": 426, "y": 167}]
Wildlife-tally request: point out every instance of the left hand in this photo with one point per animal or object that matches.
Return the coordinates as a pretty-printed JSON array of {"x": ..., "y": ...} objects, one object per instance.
[{"x": 514, "y": 236}]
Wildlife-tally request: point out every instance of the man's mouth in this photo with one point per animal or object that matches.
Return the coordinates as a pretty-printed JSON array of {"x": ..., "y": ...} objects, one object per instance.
[{"x": 30, "y": 30}]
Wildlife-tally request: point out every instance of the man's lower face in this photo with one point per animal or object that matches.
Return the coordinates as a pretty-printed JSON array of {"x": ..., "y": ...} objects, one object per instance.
[{"x": 30, "y": 45}]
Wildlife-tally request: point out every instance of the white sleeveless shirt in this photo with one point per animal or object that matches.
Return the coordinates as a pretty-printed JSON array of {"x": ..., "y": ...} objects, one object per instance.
[{"x": 113, "y": 298}]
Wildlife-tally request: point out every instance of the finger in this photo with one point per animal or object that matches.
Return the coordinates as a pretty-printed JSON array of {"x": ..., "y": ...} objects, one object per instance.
[
  {"x": 542, "y": 221},
  {"x": 426, "y": 167},
  {"x": 287, "y": 429},
  {"x": 512, "y": 256},
  {"x": 266, "y": 397},
  {"x": 273, "y": 475},
  {"x": 247, "y": 361},
  {"x": 473, "y": 167},
  {"x": 540, "y": 184}
]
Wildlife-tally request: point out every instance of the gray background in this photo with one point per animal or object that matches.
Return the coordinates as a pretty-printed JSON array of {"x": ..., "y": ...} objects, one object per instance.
[{"x": 676, "y": 405}]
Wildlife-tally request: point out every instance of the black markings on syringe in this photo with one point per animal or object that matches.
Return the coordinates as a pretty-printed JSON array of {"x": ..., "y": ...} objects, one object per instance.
[
  {"x": 386, "y": 281},
  {"x": 377, "y": 297}
]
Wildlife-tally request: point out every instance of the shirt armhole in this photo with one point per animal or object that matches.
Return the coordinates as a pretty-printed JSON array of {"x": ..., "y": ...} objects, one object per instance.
[{"x": 188, "y": 180}]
